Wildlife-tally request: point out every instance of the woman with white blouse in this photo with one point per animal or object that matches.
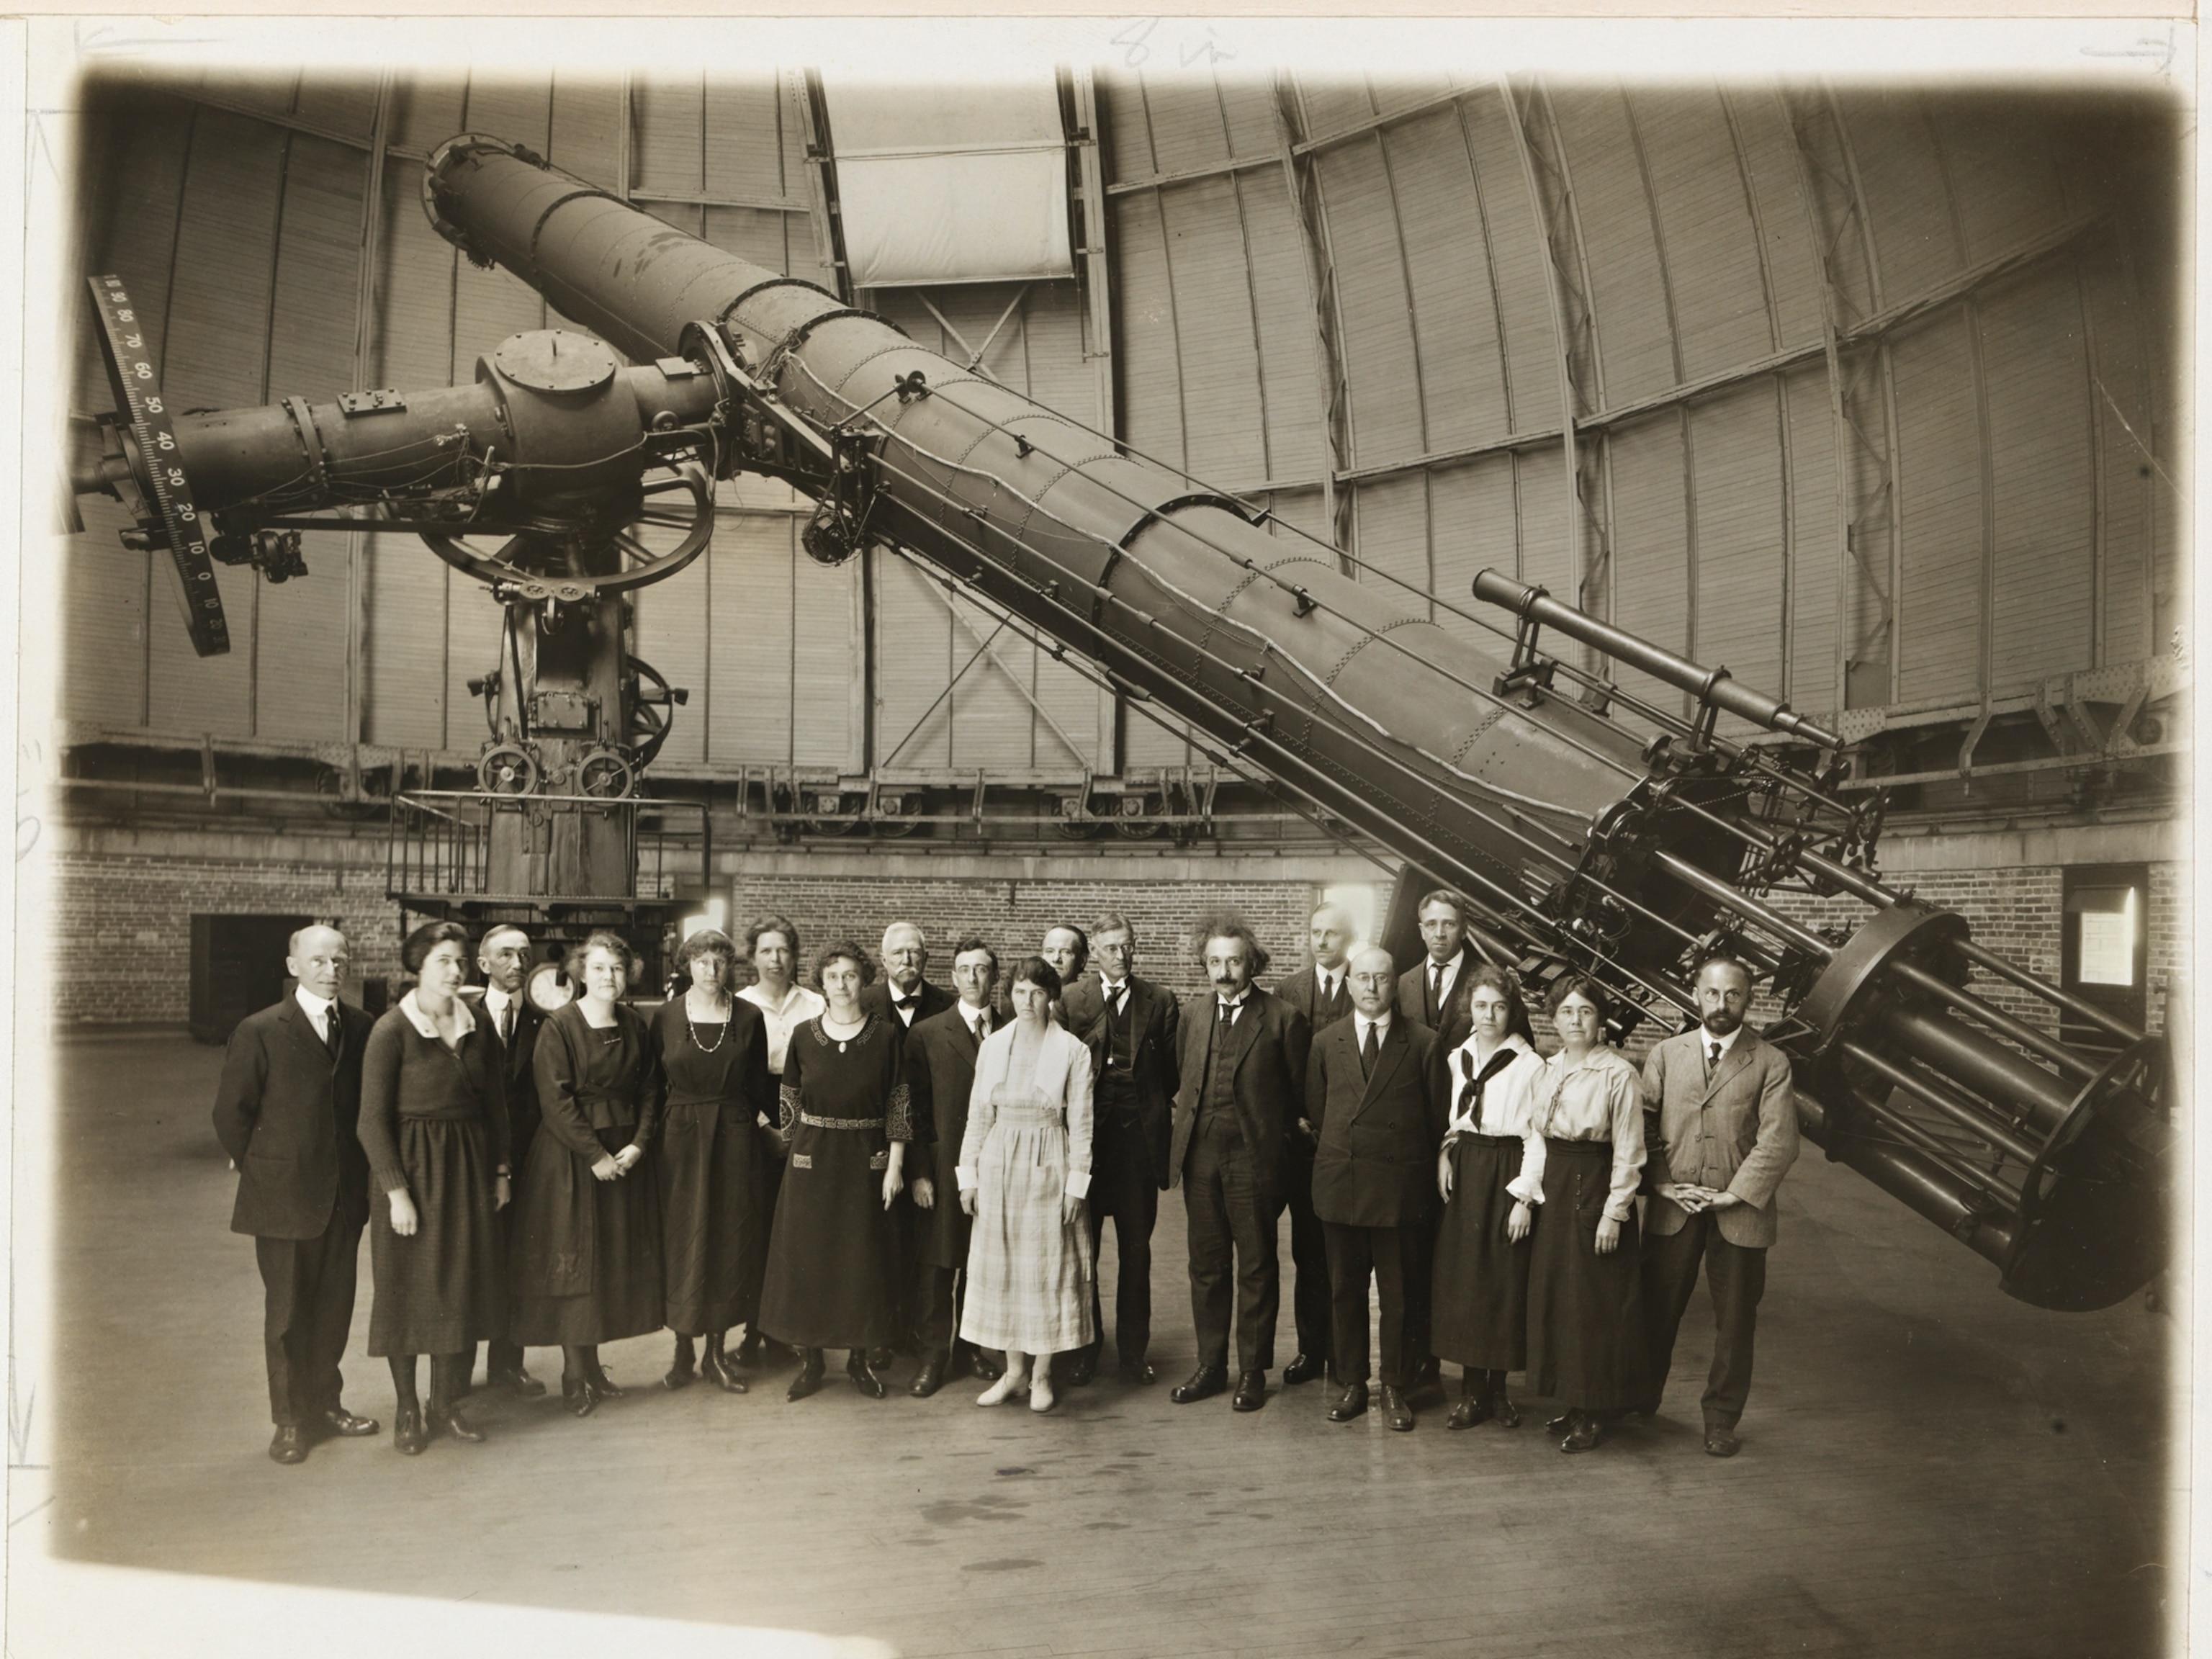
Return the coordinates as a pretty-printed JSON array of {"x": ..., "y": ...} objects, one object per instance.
[
  {"x": 771, "y": 946},
  {"x": 1489, "y": 1174},
  {"x": 1585, "y": 1308},
  {"x": 1025, "y": 1171}
]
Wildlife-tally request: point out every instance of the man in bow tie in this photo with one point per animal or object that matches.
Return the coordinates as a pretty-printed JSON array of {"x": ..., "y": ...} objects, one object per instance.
[
  {"x": 1319, "y": 992},
  {"x": 1726, "y": 1133},
  {"x": 1243, "y": 1073},
  {"x": 903, "y": 993},
  {"x": 904, "y": 996},
  {"x": 286, "y": 1111},
  {"x": 940, "y": 1071},
  {"x": 1130, "y": 1025}
]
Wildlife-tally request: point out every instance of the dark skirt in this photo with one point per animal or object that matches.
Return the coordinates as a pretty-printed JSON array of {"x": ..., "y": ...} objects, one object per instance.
[
  {"x": 1478, "y": 1296},
  {"x": 622, "y": 1296},
  {"x": 714, "y": 1207},
  {"x": 832, "y": 1255},
  {"x": 445, "y": 1289},
  {"x": 1585, "y": 1311}
]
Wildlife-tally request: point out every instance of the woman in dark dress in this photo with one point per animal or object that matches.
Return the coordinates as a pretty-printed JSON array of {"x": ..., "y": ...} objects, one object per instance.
[
  {"x": 588, "y": 1245},
  {"x": 832, "y": 1257},
  {"x": 1479, "y": 1295},
  {"x": 710, "y": 1162},
  {"x": 433, "y": 1124},
  {"x": 1586, "y": 1343}
]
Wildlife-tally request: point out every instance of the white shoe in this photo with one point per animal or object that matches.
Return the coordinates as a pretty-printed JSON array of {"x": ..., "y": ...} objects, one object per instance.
[
  {"x": 1004, "y": 1390},
  {"x": 1041, "y": 1394}
]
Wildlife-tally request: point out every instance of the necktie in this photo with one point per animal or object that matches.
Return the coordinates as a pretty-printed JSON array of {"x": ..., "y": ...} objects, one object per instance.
[
  {"x": 333, "y": 1033},
  {"x": 1367, "y": 1052},
  {"x": 1118, "y": 995},
  {"x": 1435, "y": 990},
  {"x": 1328, "y": 991},
  {"x": 507, "y": 1024},
  {"x": 906, "y": 1002},
  {"x": 1712, "y": 1061},
  {"x": 976, "y": 1025},
  {"x": 1227, "y": 1013}
]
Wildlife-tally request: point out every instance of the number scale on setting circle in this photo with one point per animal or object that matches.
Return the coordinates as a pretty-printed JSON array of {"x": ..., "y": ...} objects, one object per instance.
[{"x": 160, "y": 478}]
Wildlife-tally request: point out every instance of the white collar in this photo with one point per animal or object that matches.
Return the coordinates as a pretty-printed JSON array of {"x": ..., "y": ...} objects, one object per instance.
[
  {"x": 1112, "y": 988},
  {"x": 495, "y": 999},
  {"x": 419, "y": 1018},
  {"x": 314, "y": 1007},
  {"x": 1237, "y": 1002},
  {"x": 1329, "y": 978},
  {"x": 1464, "y": 1055},
  {"x": 1381, "y": 1024},
  {"x": 1706, "y": 1039},
  {"x": 1447, "y": 967}
]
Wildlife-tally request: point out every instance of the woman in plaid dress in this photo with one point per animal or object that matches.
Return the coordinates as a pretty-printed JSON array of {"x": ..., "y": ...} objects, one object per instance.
[{"x": 1025, "y": 1171}]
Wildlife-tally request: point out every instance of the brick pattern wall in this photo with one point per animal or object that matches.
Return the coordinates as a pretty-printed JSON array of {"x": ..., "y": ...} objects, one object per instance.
[
  {"x": 122, "y": 925},
  {"x": 1013, "y": 916}
]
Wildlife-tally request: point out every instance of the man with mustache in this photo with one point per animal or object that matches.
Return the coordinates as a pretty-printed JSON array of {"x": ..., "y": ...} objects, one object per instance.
[
  {"x": 1243, "y": 1088},
  {"x": 1726, "y": 1133}
]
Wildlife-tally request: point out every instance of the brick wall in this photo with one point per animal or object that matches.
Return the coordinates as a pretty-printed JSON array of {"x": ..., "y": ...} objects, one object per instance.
[
  {"x": 120, "y": 920},
  {"x": 121, "y": 926}
]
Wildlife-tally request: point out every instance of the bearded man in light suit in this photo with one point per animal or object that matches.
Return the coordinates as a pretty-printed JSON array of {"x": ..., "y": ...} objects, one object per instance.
[{"x": 1725, "y": 1135}]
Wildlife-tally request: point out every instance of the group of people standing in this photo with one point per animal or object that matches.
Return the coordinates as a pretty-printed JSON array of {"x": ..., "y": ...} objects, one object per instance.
[{"x": 884, "y": 1164}]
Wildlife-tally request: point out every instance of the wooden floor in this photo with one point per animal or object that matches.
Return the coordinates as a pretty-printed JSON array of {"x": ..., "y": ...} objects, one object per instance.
[{"x": 1929, "y": 1468}]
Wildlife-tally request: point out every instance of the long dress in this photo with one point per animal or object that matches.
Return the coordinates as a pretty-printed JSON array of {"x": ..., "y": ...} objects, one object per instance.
[
  {"x": 1586, "y": 1343},
  {"x": 1028, "y": 1141},
  {"x": 711, "y": 1166},
  {"x": 1478, "y": 1296},
  {"x": 832, "y": 1258},
  {"x": 434, "y": 1121},
  {"x": 587, "y": 1253}
]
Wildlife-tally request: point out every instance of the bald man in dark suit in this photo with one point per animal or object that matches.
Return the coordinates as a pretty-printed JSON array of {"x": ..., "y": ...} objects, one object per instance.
[{"x": 287, "y": 1111}]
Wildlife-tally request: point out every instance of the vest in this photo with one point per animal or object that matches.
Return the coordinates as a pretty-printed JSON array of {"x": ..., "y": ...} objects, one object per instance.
[
  {"x": 1218, "y": 1099},
  {"x": 1120, "y": 1073}
]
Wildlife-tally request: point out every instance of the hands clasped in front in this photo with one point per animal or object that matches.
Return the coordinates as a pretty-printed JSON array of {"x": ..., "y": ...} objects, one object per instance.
[
  {"x": 1696, "y": 1198},
  {"x": 613, "y": 1166}
]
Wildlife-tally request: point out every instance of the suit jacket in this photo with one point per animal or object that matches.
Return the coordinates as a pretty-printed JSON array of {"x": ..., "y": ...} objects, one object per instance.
[
  {"x": 1301, "y": 990},
  {"x": 1267, "y": 1048},
  {"x": 1155, "y": 1060},
  {"x": 939, "y": 1062},
  {"x": 1375, "y": 1165},
  {"x": 517, "y": 1070},
  {"x": 1738, "y": 1133},
  {"x": 877, "y": 999},
  {"x": 1413, "y": 994},
  {"x": 288, "y": 1115}
]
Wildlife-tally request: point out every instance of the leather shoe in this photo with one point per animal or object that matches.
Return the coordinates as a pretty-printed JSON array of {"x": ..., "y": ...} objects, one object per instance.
[
  {"x": 1508, "y": 1414},
  {"x": 1303, "y": 1368},
  {"x": 1204, "y": 1382},
  {"x": 1140, "y": 1372},
  {"x": 882, "y": 1359},
  {"x": 601, "y": 1385},
  {"x": 1472, "y": 1409},
  {"x": 518, "y": 1381},
  {"x": 929, "y": 1380},
  {"x": 1395, "y": 1409},
  {"x": 1561, "y": 1424},
  {"x": 1352, "y": 1403},
  {"x": 985, "y": 1369},
  {"x": 1251, "y": 1391},
  {"x": 1722, "y": 1442},
  {"x": 343, "y": 1423},
  {"x": 1588, "y": 1432},
  {"x": 288, "y": 1446},
  {"x": 679, "y": 1375},
  {"x": 576, "y": 1394},
  {"x": 452, "y": 1422},
  {"x": 408, "y": 1437},
  {"x": 864, "y": 1376},
  {"x": 714, "y": 1365},
  {"x": 1082, "y": 1366},
  {"x": 809, "y": 1378}
]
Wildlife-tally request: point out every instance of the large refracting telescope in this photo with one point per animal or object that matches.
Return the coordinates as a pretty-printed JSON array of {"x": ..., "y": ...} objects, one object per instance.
[{"x": 1583, "y": 844}]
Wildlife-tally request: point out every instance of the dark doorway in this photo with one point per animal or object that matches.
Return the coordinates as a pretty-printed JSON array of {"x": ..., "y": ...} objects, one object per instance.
[{"x": 238, "y": 966}]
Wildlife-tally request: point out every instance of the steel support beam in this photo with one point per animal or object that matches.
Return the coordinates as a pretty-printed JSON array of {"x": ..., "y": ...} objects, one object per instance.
[{"x": 1298, "y": 179}]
